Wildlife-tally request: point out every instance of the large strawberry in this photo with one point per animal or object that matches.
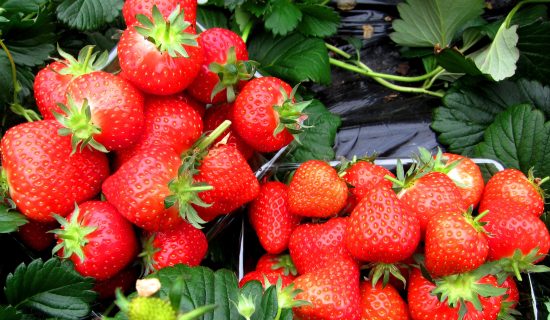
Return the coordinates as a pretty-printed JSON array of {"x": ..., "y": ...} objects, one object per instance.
[
  {"x": 316, "y": 190},
  {"x": 97, "y": 239},
  {"x": 224, "y": 68},
  {"x": 182, "y": 244},
  {"x": 132, "y": 8},
  {"x": 158, "y": 56},
  {"x": 170, "y": 122},
  {"x": 265, "y": 114},
  {"x": 36, "y": 235},
  {"x": 43, "y": 177},
  {"x": 455, "y": 243},
  {"x": 380, "y": 302},
  {"x": 511, "y": 186},
  {"x": 103, "y": 110},
  {"x": 270, "y": 217}
]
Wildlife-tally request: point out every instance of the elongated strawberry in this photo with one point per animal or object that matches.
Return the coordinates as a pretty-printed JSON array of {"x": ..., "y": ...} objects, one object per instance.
[
  {"x": 382, "y": 303},
  {"x": 455, "y": 243},
  {"x": 132, "y": 8},
  {"x": 170, "y": 122},
  {"x": 363, "y": 174},
  {"x": 97, "y": 239},
  {"x": 103, "y": 110},
  {"x": 281, "y": 263},
  {"x": 36, "y": 235},
  {"x": 160, "y": 56},
  {"x": 511, "y": 186},
  {"x": 182, "y": 244},
  {"x": 316, "y": 190},
  {"x": 266, "y": 115},
  {"x": 224, "y": 69},
  {"x": 270, "y": 217},
  {"x": 51, "y": 82},
  {"x": 43, "y": 177}
]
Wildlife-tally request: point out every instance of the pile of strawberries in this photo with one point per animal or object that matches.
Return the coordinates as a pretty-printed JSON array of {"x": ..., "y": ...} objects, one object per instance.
[{"x": 131, "y": 165}]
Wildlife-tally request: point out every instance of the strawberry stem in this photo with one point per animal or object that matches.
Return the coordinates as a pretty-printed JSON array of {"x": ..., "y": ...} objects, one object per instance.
[{"x": 209, "y": 139}]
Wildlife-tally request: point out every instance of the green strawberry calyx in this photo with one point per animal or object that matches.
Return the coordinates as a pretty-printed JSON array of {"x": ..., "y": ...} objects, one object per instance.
[
  {"x": 148, "y": 253},
  {"x": 475, "y": 222},
  {"x": 537, "y": 182},
  {"x": 4, "y": 186},
  {"x": 507, "y": 312},
  {"x": 286, "y": 296},
  {"x": 520, "y": 263},
  {"x": 88, "y": 61},
  {"x": 438, "y": 163},
  {"x": 384, "y": 270},
  {"x": 77, "y": 122},
  {"x": 168, "y": 35},
  {"x": 245, "y": 306},
  {"x": 290, "y": 114},
  {"x": 73, "y": 235},
  {"x": 284, "y": 262},
  {"x": 231, "y": 73}
]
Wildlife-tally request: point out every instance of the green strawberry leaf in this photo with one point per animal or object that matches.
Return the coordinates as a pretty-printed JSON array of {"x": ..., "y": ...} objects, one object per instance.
[
  {"x": 10, "y": 313},
  {"x": 10, "y": 220},
  {"x": 454, "y": 61},
  {"x": 232, "y": 4},
  {"x": 85, "y": 15},
  {"x": 317, "y": 141},
  {"x": 318, "y": 20},
  {"x": 282, "y": 17},
  {"x": 268, "y": 305},
  {"x": 294, "y": 57},
  {"x": 52, "y": 288},
  {"x": 534, "y": 45},
  {"x": 210, "y": 17},
  {"x": 429, "y": 23}
]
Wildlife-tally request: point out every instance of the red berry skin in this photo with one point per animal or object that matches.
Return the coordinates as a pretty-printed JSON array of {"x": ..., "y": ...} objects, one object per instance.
[
  {"x": 316, "y": 190},
  {"x": 182, "y": 244},
  {"x": 116, "y": 107},
  {"x": 311, "y": 243},
  {"x": 50, "y": 87},
  {"x": 380, "y": 230},
  {"x": 225, "y": 169},
  {"x": 272, "y": 277},
  {"x": 125, "y": 280},
  {"x": 453, "y": 245},
  {"x": 35, "y": 234},
  {"x": 255, "y": 120},
  {"x": 138, "y": 188},
  {"x": 131, "y": 8},
  {"x": 511, "y": 186},
  {"x": 423, "y": 305},
  {"x": 43, "y": 176},
  {"x": 276, "y": 262},
  {"x": 216, "y": 43},
  {"x": 365, "y": 175},
  {"x": 468, "y": 177},
  {"x": 333, "y": 292},
  {"x": 270, "y": 217},
  {"x": 111, "y": 247},
  {"x": 430, "y": 194},
  {"x": 512, "y": 292},
  {"x": 170, "y": 122},
  {"x": 153, "y": 71},
  {"x": 382, "y": 303}
]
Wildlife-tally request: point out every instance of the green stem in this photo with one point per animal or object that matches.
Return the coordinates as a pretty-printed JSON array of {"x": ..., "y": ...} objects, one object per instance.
[
  {"x": 213, "y": 135},
  {"x": 338, "y": 51},
  {"x": 246, "y": 31},
  {"x": 194, "y": 314},
  {"x": 518, "y": 6},
  {"x": 278, "y": 315},
  {"x": 13, "y": 70}
]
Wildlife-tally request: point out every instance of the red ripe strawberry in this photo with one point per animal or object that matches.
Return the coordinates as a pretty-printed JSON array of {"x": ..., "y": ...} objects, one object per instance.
[
  {"x": 382, "y": 303},
  {"x": 182, "y": 244},
  {"x": 159, "y": 57},
  {"x": 270, "y": 217},
  {"x": 125, "y": 280},
  {"x": 279, "y": 263},
  {"x": 333, "y": 292},
  {"x": 103, "y": 110},
  {"x": 233, "y": 182},
  {"x": 270, "y": 276},
  {"x": 224, "y": 68},
  {"x": 43, "y": 176},
  {"x": 312, "y": 245},
  {"x": 316, "y": 190},
  {"x": 265, "y": 115},
  {"x": 363, "y": 175},
  {"x": 511, "y": 186},
  {"x": 139, "y": 187},
  {"x": 97, "y": 239},
  {"x": 214, "y": 116},
  {"x": 380, "y": 230},
  {"x": 424, "y": 303},
  {"x": 51, "y": 82},
  {"x": 170, "y": 122},
  {"x": 455, "y": 243},
  {"x": 36, "y": 236},
  {"x": 199, "y": 107},
  {"x": 467, "y": 176},
  {"x": 132, "y": 8}
]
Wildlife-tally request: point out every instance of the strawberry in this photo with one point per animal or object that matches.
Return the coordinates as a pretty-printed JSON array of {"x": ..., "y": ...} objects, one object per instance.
[
  {"x": 511, "y": 186},
  {"x": 158, "y": 56},
  {"x": 266, "y": 277},
  {"x": 312, "y": 245},
  {"x": 332, "y": 290},
  {"x": 51, "y": 82},
  {"x": 382, "y": 303},
  {"x": 43, "y": 177},
  {"x": 103, "y": 110},
  {"x": 97, "y": 239},
  {"x": 199, "y": 107},
  {"x": 132, "y": 8},
  {"x": 224, "y": 68},
  {"x": 265, "y": 114},
  {"x": 316, "y": 190},
  {"x": 125, "y": 280},
  {"x": 510, "y": 300},
  {"x": 270, "y": 217},
  {"x": 35, "y": 234},
  {"x": 281, "y": 263},
  {"x": 182, "y": 244},
  {"x": 455, "y": 243},
  {"x": 170, "y": 122},
  {"x": 363, "y": 175}
]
